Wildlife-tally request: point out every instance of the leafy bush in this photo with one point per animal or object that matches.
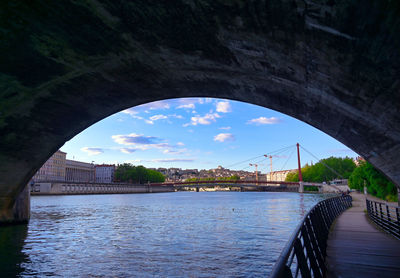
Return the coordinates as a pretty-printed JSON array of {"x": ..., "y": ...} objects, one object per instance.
[
  {"x": 377, "y": 184},
  {"x": 137, "y": 174},
  {"x": 310, "y": 188},
  {"x": 319, "y": 172}
]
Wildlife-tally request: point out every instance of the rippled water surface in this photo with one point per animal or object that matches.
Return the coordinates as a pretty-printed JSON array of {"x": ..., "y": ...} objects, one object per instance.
[{"x": 182, "y": 234}]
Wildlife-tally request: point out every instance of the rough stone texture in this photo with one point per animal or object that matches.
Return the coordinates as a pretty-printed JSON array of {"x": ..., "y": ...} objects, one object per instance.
[
  {"x": 66, "y": 64},
  {"x": 19, "y": 208}
]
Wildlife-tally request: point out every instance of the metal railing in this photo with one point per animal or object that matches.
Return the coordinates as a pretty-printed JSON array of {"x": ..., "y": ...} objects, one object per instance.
[
  {"x": 385, "y": 216},
  {"x": 305, "y": 252}
]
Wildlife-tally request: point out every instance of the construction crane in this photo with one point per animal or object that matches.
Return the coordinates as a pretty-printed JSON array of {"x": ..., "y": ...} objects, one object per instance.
[
  {"x": 270, "y": 160},
  {"x": 256, "y": 165}
]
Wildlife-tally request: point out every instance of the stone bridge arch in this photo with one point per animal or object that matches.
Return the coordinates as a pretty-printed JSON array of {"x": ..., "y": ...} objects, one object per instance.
[{"x": 65, "y": 65}]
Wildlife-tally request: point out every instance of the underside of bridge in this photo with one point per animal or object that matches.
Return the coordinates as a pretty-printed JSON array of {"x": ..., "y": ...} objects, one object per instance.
[{"x": 65, "y": 65}]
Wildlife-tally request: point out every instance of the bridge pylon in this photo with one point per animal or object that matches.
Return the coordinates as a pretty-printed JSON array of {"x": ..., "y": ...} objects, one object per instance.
[{"x": 301, "y": 187}]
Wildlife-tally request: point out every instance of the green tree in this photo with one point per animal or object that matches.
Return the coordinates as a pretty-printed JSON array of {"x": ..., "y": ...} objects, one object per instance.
[
  {"x": 377, "y": 184},
  {"x": 155, "y": 176},
  {"x": 137, "y": 174},
  {"x": 325, "y": 170},
  {"x": 292, "y": 176}
]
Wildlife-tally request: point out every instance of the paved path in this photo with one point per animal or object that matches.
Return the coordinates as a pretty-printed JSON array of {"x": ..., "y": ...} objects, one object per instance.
[{"x": 357, "y": 248}]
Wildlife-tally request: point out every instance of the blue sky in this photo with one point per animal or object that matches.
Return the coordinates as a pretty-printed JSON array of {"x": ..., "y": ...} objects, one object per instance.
[{"x": 201, "y": 133}]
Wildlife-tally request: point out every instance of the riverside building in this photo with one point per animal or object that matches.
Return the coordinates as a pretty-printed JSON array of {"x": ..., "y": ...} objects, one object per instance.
[
  {"x": 77, "y": 171},
  {"x": 104, "y": 173},
  {"x": 53, "y": 169}
]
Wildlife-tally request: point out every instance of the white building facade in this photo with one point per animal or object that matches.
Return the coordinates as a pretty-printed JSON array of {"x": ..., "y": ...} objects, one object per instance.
[
  {"x": 104, "y": 173},
  {"x": 77, "y": 171},
  {"x": 53, "y": 169}
]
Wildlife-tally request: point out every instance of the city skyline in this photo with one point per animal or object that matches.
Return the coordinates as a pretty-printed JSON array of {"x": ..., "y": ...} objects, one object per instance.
[{"x": 201, "y": 133}]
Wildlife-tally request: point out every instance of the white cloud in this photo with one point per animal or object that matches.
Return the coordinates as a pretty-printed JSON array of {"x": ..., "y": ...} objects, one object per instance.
[
  {"x": 180, "y": 144},
  {"x": 224, "y": 107},
  {"x": 205, "y": 120},
  {"x": 92, "y": 151},
  {"x": 169, "y": 151},
  {"x": 205, "y": 100},
  {"x": 140, "y": 142},
  {"x": 156, "y": 105},
  {"x": 264, "y": 121},
  {"x": 131, "y": 111},
  {"x": 127, "y": 150},
  {"x": 190, "y": 103},
  {"x": 225, "y": 128},
  {"x": 158, "y": 117},
  {"x": 161, "y": 160},
  {"x": 154, "y": 118},
  {"x": 133, "y": 138},
  {"x": 172, "y": 160},
  {"x": 175, "y": 116},
  {"x": 133, "y": 161},
  {"x": 187, "y": 106},
  {"x": 222, "y": 137}
]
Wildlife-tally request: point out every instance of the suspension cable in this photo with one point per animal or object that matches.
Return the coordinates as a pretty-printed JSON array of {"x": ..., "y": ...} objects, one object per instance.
[
  {"x": 327, "y": 166},
  {"x": 288, "y": 159},
  {"x": 244, "y": 161},
  {"x": 273, "y": 152}
]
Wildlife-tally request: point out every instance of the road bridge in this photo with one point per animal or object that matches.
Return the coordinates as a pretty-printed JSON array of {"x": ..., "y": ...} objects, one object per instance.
[
  {"x": 70, "y": 188},
  {"x": 242, "y": 185},
  {"x": 332, "y": 64},
  {"x": 261, "y": 185}
]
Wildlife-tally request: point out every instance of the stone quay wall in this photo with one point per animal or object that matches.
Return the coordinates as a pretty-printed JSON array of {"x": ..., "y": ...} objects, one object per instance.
[{"x": 70, "y": 188}]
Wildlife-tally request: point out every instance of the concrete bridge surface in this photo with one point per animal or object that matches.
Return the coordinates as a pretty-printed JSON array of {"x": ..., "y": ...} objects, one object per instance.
[
  {"x": 72, "y": 188},
  {"x": 64, "y": 65},
  {"x": 357, "y": 248}
]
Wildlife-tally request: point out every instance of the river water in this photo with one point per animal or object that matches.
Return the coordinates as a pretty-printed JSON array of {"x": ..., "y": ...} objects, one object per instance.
[{"x": 181, "y": 234}]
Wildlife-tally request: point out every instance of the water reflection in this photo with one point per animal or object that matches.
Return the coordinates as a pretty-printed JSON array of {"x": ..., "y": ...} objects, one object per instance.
[
  {"x": 12, "y": 239},
  {"x": 302, "y": 205},
  {"x": 183, "y": 234}
]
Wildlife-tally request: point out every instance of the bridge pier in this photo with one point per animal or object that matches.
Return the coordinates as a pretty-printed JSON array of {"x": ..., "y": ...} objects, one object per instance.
[
  {"x": 15, "y": 210},
  {"x": 301, "y": 187},
  {"x": 197, "y": 189}
]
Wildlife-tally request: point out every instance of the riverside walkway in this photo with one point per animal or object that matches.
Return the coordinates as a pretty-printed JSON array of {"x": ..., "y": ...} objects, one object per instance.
[{"x": 358, "y": 248}]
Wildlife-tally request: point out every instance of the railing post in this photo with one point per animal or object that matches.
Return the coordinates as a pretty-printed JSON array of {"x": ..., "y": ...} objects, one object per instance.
[
  {"x": 312, "y": 232},
  {"x": 301, "y": 259},
  {"x": 398, "y": 219},
  {"x": 388, "y": 224},
  {"x": 388, "y": 215},
  {"x": 309, "y": 242}
]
